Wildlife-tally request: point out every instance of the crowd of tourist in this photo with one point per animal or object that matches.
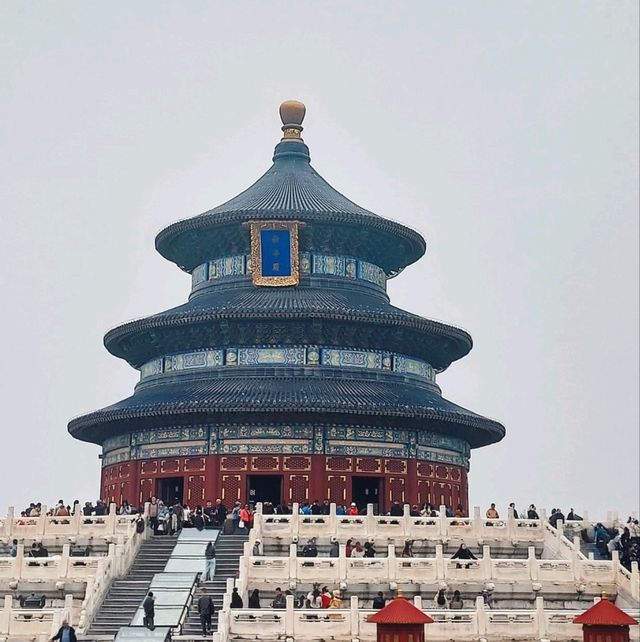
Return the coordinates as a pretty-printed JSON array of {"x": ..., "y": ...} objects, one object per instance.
[
  {"x": 323, "y": 597},
  {"x": 166, "y": 518}
]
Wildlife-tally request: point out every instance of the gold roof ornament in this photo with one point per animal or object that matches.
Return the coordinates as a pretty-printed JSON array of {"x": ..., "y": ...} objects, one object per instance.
[{"x": 292, "y": 114}]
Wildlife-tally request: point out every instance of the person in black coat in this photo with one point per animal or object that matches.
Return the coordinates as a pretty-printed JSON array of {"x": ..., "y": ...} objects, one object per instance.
[
  {"x": 205, "y": 610},
  {"x": 254, "y": 599},
  {"x": 66, "y": 633},
  {"x": 532, "y": 513},
  {"x": 463, "y": 553},
  {"x": 379, "y": 601},
  {"x": 236, "y": 600},
  {"x": 396, "y": 509},
  {"x": 149, "y": 608}
]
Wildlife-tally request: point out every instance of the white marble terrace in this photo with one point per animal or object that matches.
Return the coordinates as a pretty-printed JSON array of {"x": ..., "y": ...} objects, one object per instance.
[
  {"x": 539, "y": 578},
  {"x": 73, "y": 587}
]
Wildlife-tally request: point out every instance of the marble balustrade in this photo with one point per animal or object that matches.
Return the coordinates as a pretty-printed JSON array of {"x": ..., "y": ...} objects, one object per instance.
[{"x": 351, "y": 623}]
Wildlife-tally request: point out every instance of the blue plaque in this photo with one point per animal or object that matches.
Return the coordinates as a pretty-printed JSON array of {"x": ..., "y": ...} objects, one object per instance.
[{"x": 275, "y": 252}]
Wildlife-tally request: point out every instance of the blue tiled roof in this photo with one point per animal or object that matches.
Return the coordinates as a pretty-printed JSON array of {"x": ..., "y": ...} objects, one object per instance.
[
  {"x": 255, "y": 393},
  {"x": 290, "y": 189},
  {"x": 291, "y": 186},
  {"x": 440, "y": 345}
]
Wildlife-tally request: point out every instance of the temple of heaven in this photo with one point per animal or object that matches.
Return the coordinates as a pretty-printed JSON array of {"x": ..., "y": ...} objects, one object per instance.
[{"x": 288, "y": 376}]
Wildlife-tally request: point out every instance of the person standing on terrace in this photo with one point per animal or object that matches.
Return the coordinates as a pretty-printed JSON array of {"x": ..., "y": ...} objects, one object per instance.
[
  {"x": 440, "y": 600},
  {"x": 236, "y": 600},
  {"x": 492, "y": 513},
  {"x": 463, "y": 553},
  {"x": 210, "y": 562},
  {"x": 555, "y": 517},
  {"x": 246, "y": 517},
  {"x": 61, "y": 510},
  {"x": 532, "y": 513},
  {"x": 348, "y": 548},
  {"x": 125, "y": 509},
  {"x": 66, "y": 633},
  {"x": 280, "y": 601},
  {"x": 353, "y": 509},
  {"x": 153, "y": 514},
  {"x": 396, "y": 509},
  {"x": 336, "y": 600},
  {"x": 357, "y": 551}
]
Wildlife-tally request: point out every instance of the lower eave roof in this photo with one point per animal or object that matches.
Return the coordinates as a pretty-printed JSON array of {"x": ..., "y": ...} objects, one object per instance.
[{"x": 269, "y": 394}]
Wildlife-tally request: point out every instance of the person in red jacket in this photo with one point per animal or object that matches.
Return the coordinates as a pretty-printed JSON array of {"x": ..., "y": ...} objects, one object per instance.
[
  {"x": 325, "y": 597},
  {"x": 353, "y": 509},
  {"x": 246, "y": 516}
]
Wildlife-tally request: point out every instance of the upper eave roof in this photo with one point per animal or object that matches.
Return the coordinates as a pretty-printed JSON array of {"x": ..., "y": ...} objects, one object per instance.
[{"x": 291, "y": 189}]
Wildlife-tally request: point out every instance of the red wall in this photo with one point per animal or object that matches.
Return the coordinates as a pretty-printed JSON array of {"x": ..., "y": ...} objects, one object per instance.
[{"x": 305, "y": 478}]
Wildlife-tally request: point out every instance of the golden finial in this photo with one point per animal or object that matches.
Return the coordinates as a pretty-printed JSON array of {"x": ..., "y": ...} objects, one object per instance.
[{"x": 292, "y": 114}]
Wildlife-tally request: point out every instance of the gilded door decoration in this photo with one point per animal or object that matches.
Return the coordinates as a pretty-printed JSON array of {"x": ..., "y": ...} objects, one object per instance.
[{"x": 274, "y": 253}]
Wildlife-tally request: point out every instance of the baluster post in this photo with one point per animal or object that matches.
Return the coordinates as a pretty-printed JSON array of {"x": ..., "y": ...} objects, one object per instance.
[
  {"x": 353, "y": 604},
  {"x": 295, "y": 520},
  {"x": 9, "y": 526},
  {"x": 289, "y": 614},
  {"x": 392, "y": 562},
  {"x": 42, "y": 521},
  {"x": 440, "y": 563},
  {"x": 407, "y": 522},
  {"x": 481, "y": 616},
  {"x": 487, "y": 568},
  {"x": 477, "y": 523},
  {"x": 442, "y": 521},
  {"x": 541, "y": 619},
  {"x": 533, "y": 563}
]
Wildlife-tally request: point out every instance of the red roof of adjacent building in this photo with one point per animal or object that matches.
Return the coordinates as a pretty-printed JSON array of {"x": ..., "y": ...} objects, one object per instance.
[
  {"x": 400, "y": 611},
  {"x": 604, "y": 613}
]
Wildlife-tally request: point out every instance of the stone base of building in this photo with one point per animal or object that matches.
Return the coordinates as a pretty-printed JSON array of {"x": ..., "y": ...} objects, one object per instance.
[{"x": 288, "y": 478}]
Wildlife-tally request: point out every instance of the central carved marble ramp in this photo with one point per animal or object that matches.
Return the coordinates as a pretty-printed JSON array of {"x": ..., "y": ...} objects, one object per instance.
[{"x": 141, "y": 634}]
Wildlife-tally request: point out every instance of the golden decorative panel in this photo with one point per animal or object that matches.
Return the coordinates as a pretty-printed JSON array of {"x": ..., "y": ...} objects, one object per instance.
[{"x": 274, "y": 253}]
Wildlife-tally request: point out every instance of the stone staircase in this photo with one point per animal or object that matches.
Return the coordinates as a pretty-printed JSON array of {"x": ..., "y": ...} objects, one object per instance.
[
  {"x": 229, "y": 549},
  {"x": 590, "y": 547},
  {"x": 126, "y": 594}
]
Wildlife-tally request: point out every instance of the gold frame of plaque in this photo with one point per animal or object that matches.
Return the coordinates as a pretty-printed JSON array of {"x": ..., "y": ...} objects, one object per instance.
[{"x": 272, "y": 278}]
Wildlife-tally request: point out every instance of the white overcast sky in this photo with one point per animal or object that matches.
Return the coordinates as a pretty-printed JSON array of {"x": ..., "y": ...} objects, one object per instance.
[{"x": 505, "y": 132}]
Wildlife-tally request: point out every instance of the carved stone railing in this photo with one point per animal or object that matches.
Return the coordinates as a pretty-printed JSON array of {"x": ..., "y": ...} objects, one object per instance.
[
  {"x": 351, "y": 622},
  {"x": 75, "y": 525},
  {"x": 34, "y": 624},
  {"x": 420, "y": 570},
  {"x": 116, "y": 531},
  {"x": 57, "y": 567},
  {"x": 342, "y": 527}
]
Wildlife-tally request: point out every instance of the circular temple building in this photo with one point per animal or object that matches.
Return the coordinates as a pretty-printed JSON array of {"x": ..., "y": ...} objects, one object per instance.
[{"x": 288, "y": 375}]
